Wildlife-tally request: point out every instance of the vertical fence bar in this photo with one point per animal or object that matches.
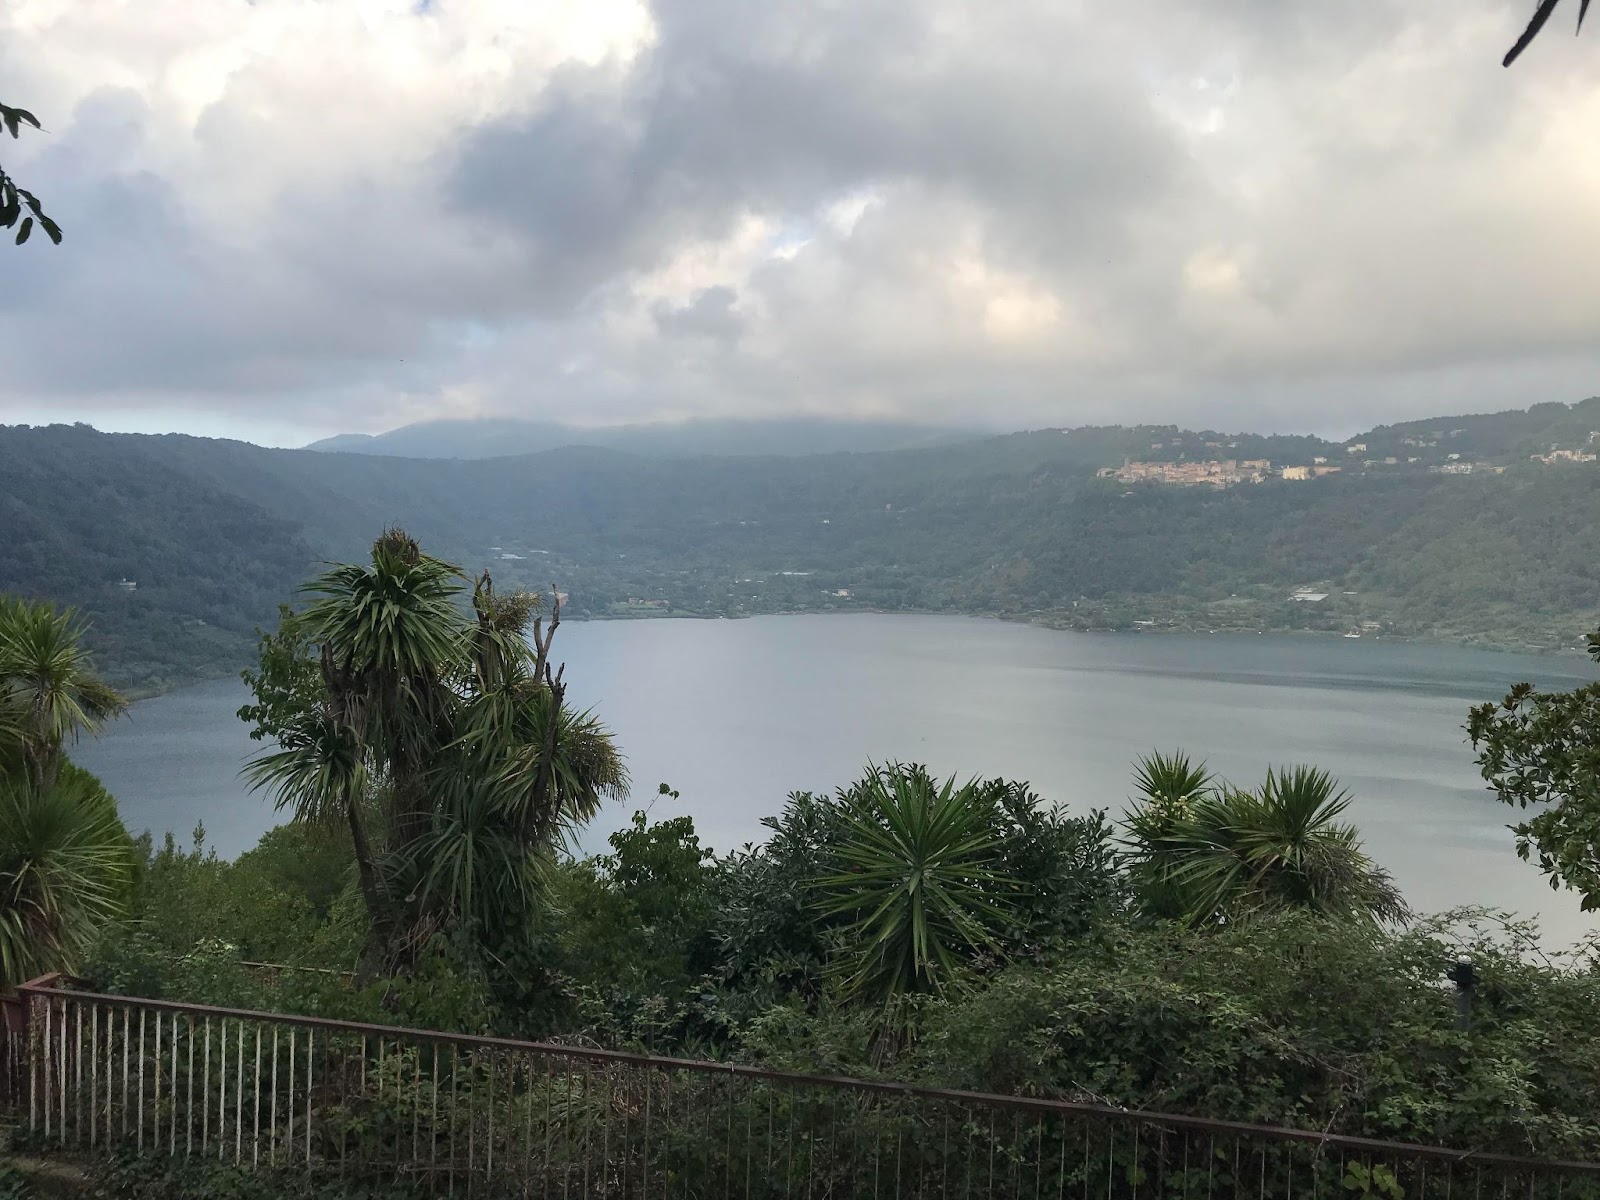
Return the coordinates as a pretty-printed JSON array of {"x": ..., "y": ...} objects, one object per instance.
[
  {"x": 127, "y": 1053},
  {"x": 310, "y": 1087},
  {"x": 273, "y": 1156},
  {"x": 35, "y": 1061},
  {"x": 416, "y": 1108},
  {"x": 140, "y": 1092},
  {"x": 172, "y": 1083},
  {"x": 238, "y": 1094},
  {"x": 77, "y": 1072},
  {"x": 94, "y": 1073},
  {"x": 222, "y": 1087},
  {"x": 127, "y": 1018},
  {"x": 188, "y": 1105},
  {"x": 152, "y": 1064},
  {"x": 488, "y": 1141},
  {"x": 288, "y": 1132},
  {"x": 107, "y": 1096},
  {"x": 255, "y": 1124},
  {"x": 205, "y": 1088}
]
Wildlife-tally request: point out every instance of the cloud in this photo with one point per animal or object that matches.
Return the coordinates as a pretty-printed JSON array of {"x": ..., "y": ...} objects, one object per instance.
[{"x": 1252, "y": 212}]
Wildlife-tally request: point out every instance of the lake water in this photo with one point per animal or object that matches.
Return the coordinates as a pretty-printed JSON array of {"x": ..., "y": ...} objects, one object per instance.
[{"x": 736, "y": 714}]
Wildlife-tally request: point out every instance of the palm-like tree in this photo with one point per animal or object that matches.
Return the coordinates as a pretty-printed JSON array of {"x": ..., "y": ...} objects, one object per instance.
[
  {"x": 64, "y": 856},
  {"x": 917, "y": 868},
  {"x": 443, "y": 743},
  {"x": 65, "y": 863},
  {"x": 1230, "y": 854},
  {"x": 49, "y": 693},
  {"x": 390, "y": 636}
]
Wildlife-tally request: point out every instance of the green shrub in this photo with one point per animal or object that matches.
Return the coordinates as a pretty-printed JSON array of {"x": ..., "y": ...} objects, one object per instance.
[{"x": 1292, "y": 1021}]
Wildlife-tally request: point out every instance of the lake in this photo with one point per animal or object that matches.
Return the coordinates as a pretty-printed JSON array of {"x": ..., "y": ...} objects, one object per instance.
[{"x": 736, "y": 714}]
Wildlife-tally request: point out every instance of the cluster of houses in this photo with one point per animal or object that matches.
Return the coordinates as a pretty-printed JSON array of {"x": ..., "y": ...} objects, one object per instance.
[
  {"x": 1216, "y": 473},
  {"x": 1563, "y": 456},
  {"x": 1227, "y": 472}
]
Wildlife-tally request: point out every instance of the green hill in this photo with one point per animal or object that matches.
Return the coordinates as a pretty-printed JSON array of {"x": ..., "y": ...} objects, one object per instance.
[{"x": 1442, "y": 529}]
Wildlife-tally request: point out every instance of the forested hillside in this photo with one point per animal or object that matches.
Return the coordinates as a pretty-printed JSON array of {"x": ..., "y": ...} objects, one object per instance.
[{"x": 1441, "y": 529}]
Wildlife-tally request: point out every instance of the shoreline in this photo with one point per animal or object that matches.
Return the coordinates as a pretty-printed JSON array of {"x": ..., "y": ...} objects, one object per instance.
[{"x": 1047, "y": 619}]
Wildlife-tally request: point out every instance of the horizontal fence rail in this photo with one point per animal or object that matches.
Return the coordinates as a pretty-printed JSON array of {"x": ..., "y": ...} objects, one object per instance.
[{"x": 493, "y": 1116}]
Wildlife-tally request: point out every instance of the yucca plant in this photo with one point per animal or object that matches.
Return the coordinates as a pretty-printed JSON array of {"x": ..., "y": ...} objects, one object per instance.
[
  {"x": 1233, "y": 854},
  {"x": 49, "y": 693},
  {"x": 65, "y": 864},
  {"x": 917, "y": 870}
]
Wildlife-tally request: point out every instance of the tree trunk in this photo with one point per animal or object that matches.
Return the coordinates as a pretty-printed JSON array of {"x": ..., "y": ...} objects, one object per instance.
[{"x": 380, "y": 919}]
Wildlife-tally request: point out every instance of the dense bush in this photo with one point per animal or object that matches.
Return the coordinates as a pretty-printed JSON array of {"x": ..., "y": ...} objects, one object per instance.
[
  {"x": 154, "y": 1177},
  {"x": 1080, "y": 993},
  {"x": 1294, "y": 1021}
]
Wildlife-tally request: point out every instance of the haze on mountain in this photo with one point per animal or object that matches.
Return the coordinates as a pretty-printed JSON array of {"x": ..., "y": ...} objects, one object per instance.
[
  {"x": 497, "y": 437},
  {"x": 286, "y": 221}
]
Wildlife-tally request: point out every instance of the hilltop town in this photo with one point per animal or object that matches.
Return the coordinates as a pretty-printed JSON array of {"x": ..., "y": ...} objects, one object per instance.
[
  {"x": 1181, "y": 463},
  {"x": 1217, "y": 473}
]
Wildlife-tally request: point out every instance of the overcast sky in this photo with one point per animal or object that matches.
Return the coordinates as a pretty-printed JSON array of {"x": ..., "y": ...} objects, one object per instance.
[{"x": 290, "y": 218}]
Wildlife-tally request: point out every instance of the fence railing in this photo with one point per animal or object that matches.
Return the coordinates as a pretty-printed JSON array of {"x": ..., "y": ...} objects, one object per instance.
[{"x": 500, "y": 1117}]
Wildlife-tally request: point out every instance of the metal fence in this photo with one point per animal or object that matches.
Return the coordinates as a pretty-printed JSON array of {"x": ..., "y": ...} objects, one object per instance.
[{"x": 498, "y": 1117}]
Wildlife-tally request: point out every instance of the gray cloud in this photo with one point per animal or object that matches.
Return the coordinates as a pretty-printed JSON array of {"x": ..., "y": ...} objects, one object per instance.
[
  {"x": 1264, "y": 212},
  {"x": 710, "y": 315}
]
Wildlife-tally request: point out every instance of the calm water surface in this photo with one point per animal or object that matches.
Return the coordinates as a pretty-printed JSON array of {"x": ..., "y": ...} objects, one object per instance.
[{"x": 736, "y": 714}]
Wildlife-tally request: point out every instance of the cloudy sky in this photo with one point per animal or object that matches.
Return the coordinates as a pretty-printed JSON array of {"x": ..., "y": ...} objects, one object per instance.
[{"x": 289, "y": 218}]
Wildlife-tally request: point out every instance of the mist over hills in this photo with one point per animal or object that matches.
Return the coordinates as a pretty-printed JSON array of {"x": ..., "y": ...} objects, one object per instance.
[
  {"x": 1444, "y": 529},
  {"x": 499, "y": 437}
]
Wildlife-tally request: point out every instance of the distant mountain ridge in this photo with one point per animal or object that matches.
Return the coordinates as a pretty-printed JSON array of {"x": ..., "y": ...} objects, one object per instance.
[
  {"x": 500, "y": 437},
  {"x": 1461, "y": 528}
]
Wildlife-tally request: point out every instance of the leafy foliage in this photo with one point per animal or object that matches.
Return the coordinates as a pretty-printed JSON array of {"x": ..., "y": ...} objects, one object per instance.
[
  {"x": 161, "y": 1177},
  {"x": 1294, "y": 1020},
  {"x": 1298, "y": 1015},
  {"x": 17, "y": 203},
  {"x": 636, "y": 951},
  {"x": 14, "y": 1185},
  {"x": 1542, "y": 751},
  {"x": 1067, "y": 883}
]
